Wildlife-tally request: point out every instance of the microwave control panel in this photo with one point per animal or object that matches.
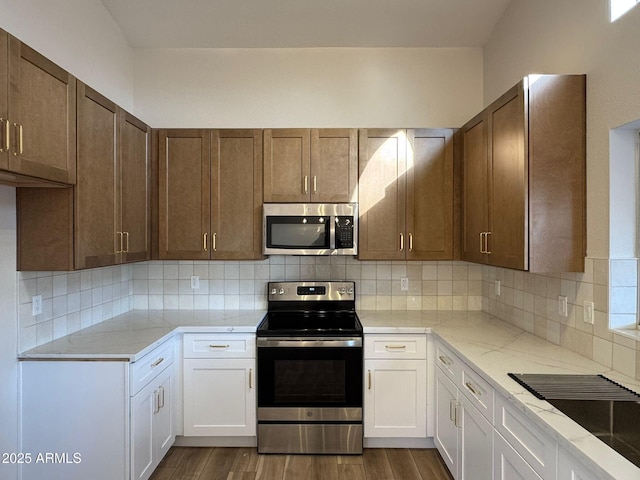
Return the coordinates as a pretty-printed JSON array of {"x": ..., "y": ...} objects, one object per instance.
[{"x": 344, "y": 231}]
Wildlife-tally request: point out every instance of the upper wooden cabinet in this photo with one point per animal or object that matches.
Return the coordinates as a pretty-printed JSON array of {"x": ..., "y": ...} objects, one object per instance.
[
  {"x": 104, "y": 219},
  {"x": 406, "y": 194},
  {"x": 317, "y": 165},
  {"x": 524, "y": 177},
  {"x": 210, "y": 194},
  {"x": 37, "y": 115}
]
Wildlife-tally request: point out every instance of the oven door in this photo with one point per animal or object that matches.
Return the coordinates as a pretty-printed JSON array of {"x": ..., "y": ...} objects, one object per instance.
[{"x": 309, "y": 374}]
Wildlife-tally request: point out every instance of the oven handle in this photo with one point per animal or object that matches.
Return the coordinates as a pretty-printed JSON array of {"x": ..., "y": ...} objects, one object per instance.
[{"x": 300, "y": 342}]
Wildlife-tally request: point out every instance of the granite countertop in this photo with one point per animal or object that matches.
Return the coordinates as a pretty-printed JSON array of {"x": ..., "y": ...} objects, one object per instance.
[{"x": 485, "y": 343}]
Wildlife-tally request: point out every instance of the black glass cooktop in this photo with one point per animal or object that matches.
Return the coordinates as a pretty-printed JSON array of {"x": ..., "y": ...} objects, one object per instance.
[{"x": 297, "y": 323}]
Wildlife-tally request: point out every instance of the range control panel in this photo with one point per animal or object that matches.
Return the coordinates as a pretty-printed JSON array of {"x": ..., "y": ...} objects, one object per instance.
[
  {"x": 344, "y": 231},
  {"x": 311, "y": 291}
]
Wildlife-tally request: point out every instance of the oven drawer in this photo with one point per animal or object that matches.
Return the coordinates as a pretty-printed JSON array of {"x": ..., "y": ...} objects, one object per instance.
[
  {"x": 219, "y": 345},
  {"x": 395, "y": 346}
]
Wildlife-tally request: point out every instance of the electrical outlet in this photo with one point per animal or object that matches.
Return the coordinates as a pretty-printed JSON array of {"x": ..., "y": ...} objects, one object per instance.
[
  {"x": 497, "y": 288},
  {"x": 588, "y": 312},
  {"x": 404, "y": 284},
  {"x": 36, "y": 305},
  {"x": 195, "y": 282},
  {"x": 563, "y": 310}
]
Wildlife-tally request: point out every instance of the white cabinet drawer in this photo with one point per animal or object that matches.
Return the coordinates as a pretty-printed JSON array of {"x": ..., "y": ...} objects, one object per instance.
[
  {"x": 478, "y": 391},
  {"x": 151, "y": 365},
  {"x": 531, "y": 442},
  {"x": 395, "y": 346},
  {"x": 219, "y": 345},
  {"x": 449, "y": 363}
]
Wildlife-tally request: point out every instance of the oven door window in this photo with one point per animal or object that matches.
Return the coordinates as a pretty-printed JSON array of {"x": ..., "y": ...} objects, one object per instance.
[
  {"x": 298, "y": 232},
  {"x": 309, "y": 377}
]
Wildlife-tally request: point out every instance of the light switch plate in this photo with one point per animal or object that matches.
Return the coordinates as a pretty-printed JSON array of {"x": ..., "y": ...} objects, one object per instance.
[
  {"x": 589, "y": 312},
  {"x": 404, "y": 284},
  {"x": 195, "y": 282},
  {"x": 36, "y": 305}
]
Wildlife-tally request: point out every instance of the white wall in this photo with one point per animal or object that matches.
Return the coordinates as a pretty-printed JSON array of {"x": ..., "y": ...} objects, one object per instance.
[
  {"x": 318, "y": 87},
  {"x": 8, "y": 330},
  {"x": 78, "y": 35},
  {"x": 574, "y": 36}
]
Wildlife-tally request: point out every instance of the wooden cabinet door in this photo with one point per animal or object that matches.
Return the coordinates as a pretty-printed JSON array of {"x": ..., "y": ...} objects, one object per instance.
[
  {"x": 475, "y": 195},
  {"x": 42, "y": 110},
  {"x": 381, "y": 193},
  {"x": 4, "y": 100},
  {"x": 97, "y": 217},
  {"x": 236, "y": 194},
  {"x": 184, "y": 194},
  {"x": 286, "y": 165},
  {"x": 334, "y": 165},
  {"x": 134, "y": 140},
  {"x": 430, "y": 194},
  {"x": 508, "y": 181}
]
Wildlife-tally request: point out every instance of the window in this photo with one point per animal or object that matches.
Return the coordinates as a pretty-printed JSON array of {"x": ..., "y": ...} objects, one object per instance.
[{"x": 620, "y": 7}]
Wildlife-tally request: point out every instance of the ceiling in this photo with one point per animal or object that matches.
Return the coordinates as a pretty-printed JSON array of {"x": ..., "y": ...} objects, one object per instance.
[{"x": 305, "y": 23}]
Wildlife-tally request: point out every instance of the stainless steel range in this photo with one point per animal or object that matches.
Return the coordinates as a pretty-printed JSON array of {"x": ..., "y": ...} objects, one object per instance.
[{"x": 310, "y": 370}]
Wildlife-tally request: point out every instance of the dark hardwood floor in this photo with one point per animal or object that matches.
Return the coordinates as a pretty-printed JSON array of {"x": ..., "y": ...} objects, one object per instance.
[{"x": 246, "y": 464}]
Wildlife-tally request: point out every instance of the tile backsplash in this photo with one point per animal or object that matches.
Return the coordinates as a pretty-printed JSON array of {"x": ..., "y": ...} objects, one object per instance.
[{"x": 76, "y": 300}]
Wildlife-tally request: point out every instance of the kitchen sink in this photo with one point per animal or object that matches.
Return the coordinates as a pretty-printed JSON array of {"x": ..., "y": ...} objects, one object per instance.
[{"x": 606, "y": 409}]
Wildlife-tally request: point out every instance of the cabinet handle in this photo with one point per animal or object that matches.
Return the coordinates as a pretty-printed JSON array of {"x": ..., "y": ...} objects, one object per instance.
[
  {"x": 452, "y": 410},
  {"x": 250, "y": 374},
  {"x": 395, "y": 347},
  {"x": 456, "y": 415},
  {"x": 204, "y": 241},
  {"x": 444, "y": 359},
  {"x": 315, "y": 184},
  {"x": 156, "y": 401},
  {"x": 157, "y": 362},
  {"x": 472, "y": 389},
  {"x": 218, "y": 346},
  {"x": 401, "y": 242},
  {"x": 18, "y": 128},
  {"x": 126, "y": 248},
  {"x": 5, "y": 144},
  {"x": 411, "y": 242},
  {"x": 486, "y": 243},
  {"x": 306, "y": 184},
  {"x": 214, "y": 242},
  {"x": 369, "y": 382},
  {"x": 482, "y": 238},
  {"x": 161, "y": 396},
  {"x": 119, "y": 241}
]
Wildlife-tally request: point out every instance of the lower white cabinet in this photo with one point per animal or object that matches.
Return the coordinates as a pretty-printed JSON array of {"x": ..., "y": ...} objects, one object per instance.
[
  {"x": 395, "y": 398},
  {"x": 463, "y": 436},
  {"x": 395, "y": 386},
  {"x": 219, "y": 397},
  {"x": 219, "y": 384},
  {"x": 508, "y": 464},
  {"x": 152, "y": 431},
  {"x": 569, "y": 468},
  {"x": 103, "y": 420}
]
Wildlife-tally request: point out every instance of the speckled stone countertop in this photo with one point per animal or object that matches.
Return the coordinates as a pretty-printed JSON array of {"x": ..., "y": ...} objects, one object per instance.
[{"x": 486, "y": 344}]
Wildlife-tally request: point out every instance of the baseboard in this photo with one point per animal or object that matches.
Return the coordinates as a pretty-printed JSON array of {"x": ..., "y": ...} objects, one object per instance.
[
  {"x": 399, "y": 442},
  {"x": 182, "y": 441}
]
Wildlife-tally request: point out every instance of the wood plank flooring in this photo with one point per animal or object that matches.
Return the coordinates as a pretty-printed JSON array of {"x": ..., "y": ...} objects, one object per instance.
[{"x": 182, "y": 463}]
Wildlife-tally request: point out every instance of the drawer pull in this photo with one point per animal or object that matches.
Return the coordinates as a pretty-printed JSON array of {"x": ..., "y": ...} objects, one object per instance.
[
  {"x": 472, "y": 389},
  {"x": 395, "y": 347},
  {"x": 218, "y": 346},
  {"x": 157, "y": 362},
  {"x": 446, "y": 360}
]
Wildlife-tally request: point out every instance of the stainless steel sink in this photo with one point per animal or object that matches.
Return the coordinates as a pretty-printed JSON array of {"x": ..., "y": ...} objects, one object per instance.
[{"x": 609, "y": 411}]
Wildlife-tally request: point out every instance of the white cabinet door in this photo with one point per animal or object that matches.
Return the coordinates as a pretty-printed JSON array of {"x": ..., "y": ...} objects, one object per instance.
[
  {"x": 476, "y": 443},
  {"x": 508, "y": 464},
  {"x": 395, "y": 399},
  {"x": 446, "y": 433},
  {"x": 569, "y": 468},
  {"x": 219, "y": 397},
  {"x": 151, "y": 425}
]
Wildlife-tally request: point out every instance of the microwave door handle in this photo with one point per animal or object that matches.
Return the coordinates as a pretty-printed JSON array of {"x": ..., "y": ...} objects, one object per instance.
[{"x": 332, "y": 233}]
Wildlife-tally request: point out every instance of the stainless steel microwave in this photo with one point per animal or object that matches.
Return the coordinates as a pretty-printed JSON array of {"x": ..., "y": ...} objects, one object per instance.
[{"x": 310, "y": 229}]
